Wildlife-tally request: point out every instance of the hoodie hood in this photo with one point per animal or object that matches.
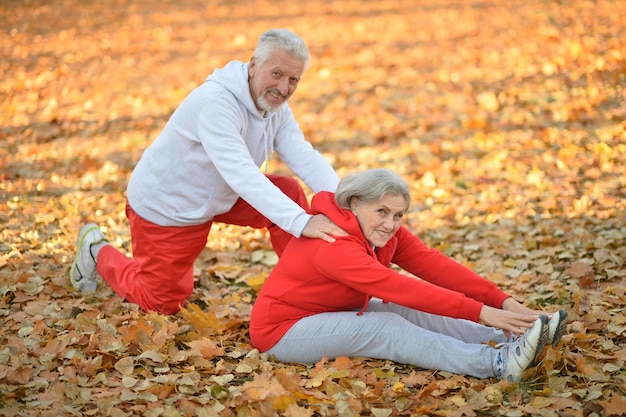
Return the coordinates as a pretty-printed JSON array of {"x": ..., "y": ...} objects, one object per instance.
[
  {"x": 234, "y": 78},
  {"x": 324, "y": 203}
]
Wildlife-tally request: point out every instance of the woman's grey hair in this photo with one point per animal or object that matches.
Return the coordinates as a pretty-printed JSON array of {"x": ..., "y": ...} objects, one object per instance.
[
  {"x": 370, "y": 186},
  {"x": 285, "y": 40}
]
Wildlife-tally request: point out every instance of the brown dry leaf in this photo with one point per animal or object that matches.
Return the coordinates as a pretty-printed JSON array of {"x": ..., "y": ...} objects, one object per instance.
[
  {"x": 464, "y": 410},
  {"x": 261, "y": 386},
  {"x": 151, "y": 355},
  {"x": 579, "y": 270},
  {"x": 288, "y": 378},
  {"x": 515, "y": 153},
  {"x": 206, "y": 348},
  {"x": 125, "y": 366},
  {"x": 616, "y": 406},
  {"x": 294, "y": 410},
  {"x": 19, "y": 375},
  {"x": 319, "y": 378}
]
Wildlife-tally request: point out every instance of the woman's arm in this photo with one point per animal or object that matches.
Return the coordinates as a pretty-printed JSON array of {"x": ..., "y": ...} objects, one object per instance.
[
  {"x": 433, "y": 266},
  {"x": 350, "y": 263}
]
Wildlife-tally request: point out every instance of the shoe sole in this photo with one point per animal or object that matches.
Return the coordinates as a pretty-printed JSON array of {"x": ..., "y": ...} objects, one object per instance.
[
  {"x": 561, "y": 328},
  {"x": 79, "y": 244},
  {"x": 544, "y": 337},
  {"x": 558, "y": 334}
]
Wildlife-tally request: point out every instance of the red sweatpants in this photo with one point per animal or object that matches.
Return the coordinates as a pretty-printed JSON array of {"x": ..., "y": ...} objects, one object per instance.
[{"x": 159, "y": 276}]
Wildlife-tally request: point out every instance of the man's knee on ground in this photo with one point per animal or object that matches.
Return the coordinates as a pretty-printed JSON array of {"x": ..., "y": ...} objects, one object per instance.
[
  {"x": 167, "y": 308},
  {"x": 171, "y": 305}
]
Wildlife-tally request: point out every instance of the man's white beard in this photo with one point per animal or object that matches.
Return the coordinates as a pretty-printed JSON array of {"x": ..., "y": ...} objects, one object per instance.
[{"x": 262, "y": 103}]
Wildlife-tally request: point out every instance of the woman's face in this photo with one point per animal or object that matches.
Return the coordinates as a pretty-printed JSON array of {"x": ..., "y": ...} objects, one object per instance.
[{"x": 381, "y": 219}]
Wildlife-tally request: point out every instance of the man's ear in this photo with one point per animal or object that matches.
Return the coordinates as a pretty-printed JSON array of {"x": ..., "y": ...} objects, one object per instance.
[{"x": 252, "y": 67}]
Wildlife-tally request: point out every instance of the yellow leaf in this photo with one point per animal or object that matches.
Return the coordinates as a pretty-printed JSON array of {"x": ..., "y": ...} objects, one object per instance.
[
  {"x": 344, "y": 373},
  {"x": 398, "y": 387},
  {"x": 256, "y": 282},
  {"x": 458, "y": 400},
  {"x": 286, "y": 403},
  {"x": 205, "y": 323}
]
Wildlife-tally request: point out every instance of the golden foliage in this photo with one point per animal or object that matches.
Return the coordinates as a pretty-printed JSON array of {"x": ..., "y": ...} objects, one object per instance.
[{"x": 507, "y": 118}]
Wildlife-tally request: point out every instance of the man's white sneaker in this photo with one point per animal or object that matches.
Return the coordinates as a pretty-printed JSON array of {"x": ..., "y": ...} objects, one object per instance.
[
  {"x": 516, "y": 356},
  {"x": 83, "y": 273}
]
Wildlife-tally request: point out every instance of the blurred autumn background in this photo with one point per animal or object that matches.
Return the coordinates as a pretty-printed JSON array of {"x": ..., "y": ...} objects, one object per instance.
[{"x": 506, "y": 117}]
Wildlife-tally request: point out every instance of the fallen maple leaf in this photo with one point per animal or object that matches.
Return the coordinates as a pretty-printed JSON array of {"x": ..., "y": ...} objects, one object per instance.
[
  {"x": 206, "y": 348},
  {"x": 205, "y": 323},
  {"x": 515, "y": 156},
  {"x": 263, "y": 385},
  {"x": 616, "y": 406},
  {"x": 19, "y": 375}
]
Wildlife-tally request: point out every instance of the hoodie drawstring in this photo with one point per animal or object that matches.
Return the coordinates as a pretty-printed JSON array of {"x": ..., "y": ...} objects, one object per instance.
[
  {"x": 269, "y": 149},
  {"x": 367, "y": 303}
]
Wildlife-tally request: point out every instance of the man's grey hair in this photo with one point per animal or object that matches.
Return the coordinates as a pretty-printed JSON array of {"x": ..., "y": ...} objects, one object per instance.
[
  {"x": 285, "y": 40},
  {"x": 370, "y": 186}
]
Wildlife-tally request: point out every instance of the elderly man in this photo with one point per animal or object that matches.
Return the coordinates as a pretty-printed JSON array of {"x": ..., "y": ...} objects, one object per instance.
[{"x": 204, "y": 168}]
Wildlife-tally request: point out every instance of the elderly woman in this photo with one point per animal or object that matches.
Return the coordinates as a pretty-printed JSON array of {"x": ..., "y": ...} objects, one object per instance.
[{"x": 342, "y": 298}]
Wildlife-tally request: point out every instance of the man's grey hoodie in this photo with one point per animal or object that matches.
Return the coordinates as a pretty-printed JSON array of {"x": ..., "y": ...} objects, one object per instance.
[{"x": 210, "y": 152}]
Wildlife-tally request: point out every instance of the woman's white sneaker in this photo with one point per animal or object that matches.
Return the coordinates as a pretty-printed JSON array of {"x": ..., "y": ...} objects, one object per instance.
[
  {"x": 557, "y": 327},
  {"x": 514, "y": 357}
]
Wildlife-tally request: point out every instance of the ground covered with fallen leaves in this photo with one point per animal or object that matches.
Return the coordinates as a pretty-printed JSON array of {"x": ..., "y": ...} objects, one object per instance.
[{"x": 506, "y": 117}]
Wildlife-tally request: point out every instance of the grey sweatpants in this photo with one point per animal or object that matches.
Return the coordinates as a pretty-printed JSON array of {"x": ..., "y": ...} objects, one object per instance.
[{"x": 400, "y": 334}]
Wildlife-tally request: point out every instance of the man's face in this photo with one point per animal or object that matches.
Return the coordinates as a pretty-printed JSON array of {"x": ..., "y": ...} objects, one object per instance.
[{"x": 274, "y": 81}]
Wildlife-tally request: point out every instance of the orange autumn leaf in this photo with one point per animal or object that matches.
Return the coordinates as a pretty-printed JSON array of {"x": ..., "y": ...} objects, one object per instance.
[
  {"x": 136, "y": 332},
  {"x": 515, "y": 154},
  {"x": 616, "y": 406},
  {"x": 428, "y": 389},
  {"x": 341, "y": 363}
]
